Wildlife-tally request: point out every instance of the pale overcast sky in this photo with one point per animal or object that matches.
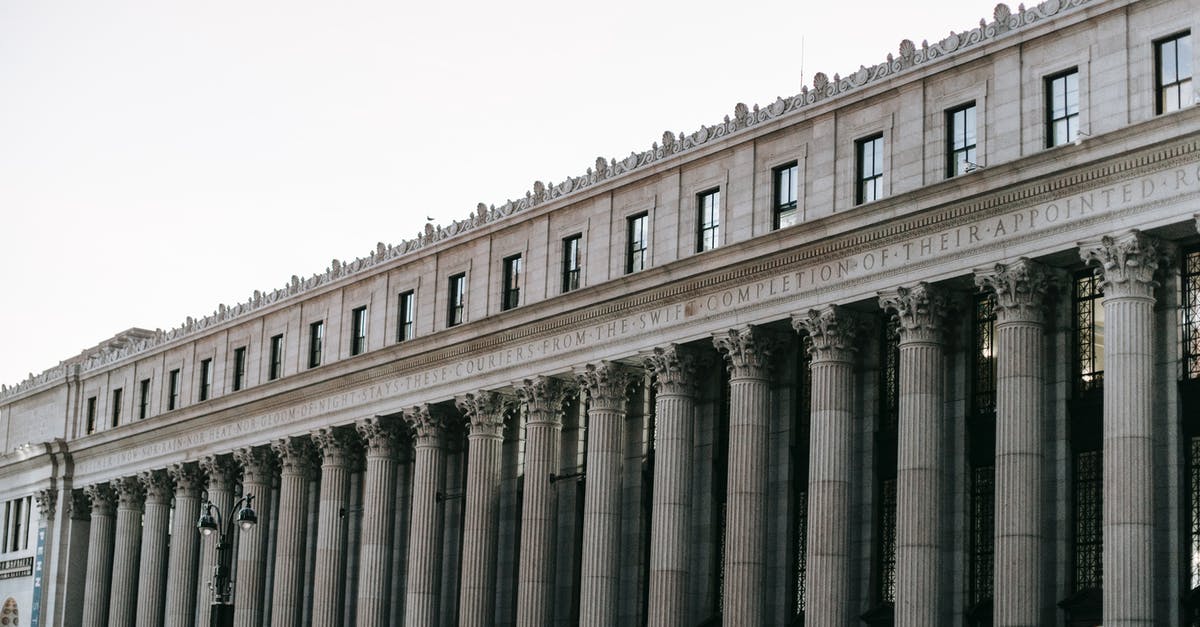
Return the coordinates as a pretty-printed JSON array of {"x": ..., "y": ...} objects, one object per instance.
[{"x": 158, "y": 158}]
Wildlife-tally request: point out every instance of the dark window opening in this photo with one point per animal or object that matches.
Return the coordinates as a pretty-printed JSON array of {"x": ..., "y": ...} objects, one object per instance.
[
  {"x": 358, "y": 331},
  {"x": 173, "y": 390},
  {"x": 91, "y": 415},
  {"x": 239, "y": 368},
  {"x": 960, "y": 140},
  {"x": 143, "y": 399},
  {"x": 276, "y": 368},
  {"x": 868, "y": 169},
  {"x": 457, "y": 300},
  {"x": 1062, "y": 108},
  {"x": 404, "y": 317},
  {"x": 1173, "y": 73},
  {"x": 981, "y": 457},
  {"x": 116, "y": 406},
  {"x": 785, "y": 195},
  {"x": 638, "y": 243},
  {"x": 708, "y": 220},
  {"x": 510, "y": 294},
  {"x": 316, "y": 341},
  {"x": 572, "y": 263},
  {"x": 206, "y": 378}
]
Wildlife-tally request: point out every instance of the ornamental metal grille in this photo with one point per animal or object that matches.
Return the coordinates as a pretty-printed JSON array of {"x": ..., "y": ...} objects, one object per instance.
[
  {"x": 889, "y": 409},
  {"x": 1089, "y": 335},
  {"x": 1194, "y": 507},
  {"x": 885, "y": 461},
  {"x": 984, "y": 375},
  {"x": 801, "y": 549},
  {"x": 887, "y": 541},
  {"x": 983, "y": 525},
  {"x": 800, "y": 459},
  {"x": 1089, "y": 539},
  {"x": 1191, "y": 315},
  {"x": 981, "y": 433}
]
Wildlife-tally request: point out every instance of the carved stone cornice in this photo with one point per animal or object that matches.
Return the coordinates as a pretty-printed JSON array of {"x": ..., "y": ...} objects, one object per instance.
[
  {"x": 338, "y": 446},
  {"x": 747, "y": 351},
  {"x": 486, "y": 412},
  {"x": 1020, "y": 288},
  {"x": 430, "y": 424},
  {"x": 297, "y": 455},
  {"x": 834, "y": 332},
  {"x": 156, "y": 484},
  {"x": 674, "y": 368},
  {"x": 544, "y": 399},
  {"x": 47, "y": 502},
  {"x": 222, "y": 473},
  {"x": 1125, "y": 263},
  {"x": 382, "y": 435},
  {"x": 79, "y": 505},
  {"x": 130, "y": 493},
  {"x": 922, "y": 311},
  {"x": 188, "y": 478},
  {"x": 257, "y": 462},
  {"x": 606, "y": 385}
]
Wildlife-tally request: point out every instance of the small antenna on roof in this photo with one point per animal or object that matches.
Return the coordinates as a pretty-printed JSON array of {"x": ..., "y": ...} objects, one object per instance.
[{"x": 801, "y": 60}]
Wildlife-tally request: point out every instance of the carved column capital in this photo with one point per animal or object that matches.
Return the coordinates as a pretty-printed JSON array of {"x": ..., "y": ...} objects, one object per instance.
[
  {"x": 544, "y": 399},
  {"x": 922, "y": 311},
  {"x": 338, "y": 446},
  {"x": 606, "y": 385},
  {"x": 486, "y": 411},
  {"x": 257, "y": 462},
  {"x": 130, "y": 493},
  {"x": 429, "y": 424},
  {"x": 297, "y": 455},
  {"x": 834, "y": 332},
  {"x": 47, "y": 502},
  {"x": 382, "y": 435},
  {"x": 1020, "y": 288},
  {"x": 747, "y": 351},
  {"x": 220, "y": 470},
  {"x": 674, "y": 368},
  {"x": 1125, "y": 263},
  {"x": 188, "y": 478},
  {"x": 79, "y": 506},
  {"x": 156, "y": 484}
]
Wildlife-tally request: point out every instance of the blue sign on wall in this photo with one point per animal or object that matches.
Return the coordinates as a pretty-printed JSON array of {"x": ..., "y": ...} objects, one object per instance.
[{"x": 36, "y": 613}]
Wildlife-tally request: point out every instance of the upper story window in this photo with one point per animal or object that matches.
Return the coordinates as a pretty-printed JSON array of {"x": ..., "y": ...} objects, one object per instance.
[
  {"x": 708, "y": 222},
  {"x": 1089, "y": 334},
  {"x": 90, "y": 427},
  {"x": 239, "y": 368},
  {"x": 116, "y": 406},
  {"x": 960, "y": 140},
  {"x": 457, "y": 300},
  {"x": 638, "y": 242},
  {"x": 510, "y": 292},
  {"x": 1062, "y": 108},
  {"x": 572, "y": 263},
  {"x": 1191, "y": 314},
  {"x": 206, "y": 379},
  {"x": 869, "y": 169},
  {"x": 1173, "y": 73},
  {"x": 276, "y": 368},
  {"x": 358, "y": 331},
  {"x": 16, "y": 525},
  {"x": 404, "y": 316},
  {"x": 316, "y": 343},
  {"x": 143, "y": 399},
  {"x": 785, "y": 184},
  {"x": 173, "y": 390}
]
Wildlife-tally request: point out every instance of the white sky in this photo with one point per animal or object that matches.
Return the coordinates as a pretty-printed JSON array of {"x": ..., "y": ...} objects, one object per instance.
[{"x": 158, "y": 158}]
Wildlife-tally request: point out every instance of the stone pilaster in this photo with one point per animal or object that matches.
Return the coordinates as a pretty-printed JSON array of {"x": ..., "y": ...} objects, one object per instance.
[
  {"x": 382, "y": 437},
  {"x": 338, "y": 449},
  {"x": 747, "y": 352},
  {"x": 1019, "y": 290},
  {"x": 1126, "y": 265},
  {"x": 921, "y": 453},
  {"x": 46, "y": 501},
  {"x": 258, "y": 468},
  {"x": 297, "y": 460},
  {"x": 485, "y": 412},
  {"x": 829, "y": 594},
  {"x": 222, "y": 476},
  {"x": 428, "y": 423},
  {"x": 152, "y": 587},
  {"x": 97, "y": 592},
  {"x": 607, "y": 388},
  {"x": 543, "y": 399},
  {"x": 184, "y": 552},
  {"x": 127, "y": 545}
]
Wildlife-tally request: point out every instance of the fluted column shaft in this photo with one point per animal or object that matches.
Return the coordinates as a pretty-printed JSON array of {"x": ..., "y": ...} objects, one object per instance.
[
  {"x": 222, "y": 475},
  {"x": 829, "y": 597},
  {"x": 336, "y": 449},
  {"x": 485, "y": 413},
  {"x": 921, "y": 451},
  {"x": 127, "y": 547},
  {"x": 296, "y": 461},
  {"x": 258, "y": 465},
  {"x": 543, "y": 399},
  {"x": 1127, "y": 265},
  {"x": 425, "y": 531},
  {"x": 152, "y": 589},
  {"x": 381, "y": 436},
  {"x": 1019, "y": 290},
  {"x": 96, "y": 591},
  {"x": 747, "y": 351},
  {"x": 184, "y": 552}
]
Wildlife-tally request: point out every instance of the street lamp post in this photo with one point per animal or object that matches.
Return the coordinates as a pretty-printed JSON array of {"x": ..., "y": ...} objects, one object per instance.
[{"x": 220, "y": 585}]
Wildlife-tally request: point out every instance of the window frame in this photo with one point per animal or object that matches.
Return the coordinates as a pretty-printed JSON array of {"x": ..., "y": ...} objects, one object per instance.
[
  {"x": 1068, "y": 117},
  {"x": 143, "y": 399},
  {"x": 969, "y": 131},
  {"x": 510, "y": 287},
  {"x": 358, "y": 330},
  {"x": 456, "y": 299},
  {"x": 173, "y": 389},
  {"x": 275, "y": 366},
  {"x": 316, "y": 343},
  {"x": 1183, "y": 86},
  {"x": 708, "y": 219},
  {"x": 239, "y": 368},
  {"x": 89, "y": 425},
  {"x": 117, "y": 396},
  {"x": 780, "y": 207},
  {"x": 405, "y": 315},
  {"x": 861, "y": 177},
  {"x": 636, "y": 250},
  {"x": 206, "y": 379},
  {"x": 572, "y": 262}
]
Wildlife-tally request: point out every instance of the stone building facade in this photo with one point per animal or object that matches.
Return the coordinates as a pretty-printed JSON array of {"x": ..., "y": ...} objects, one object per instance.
[{"x": 918, "y": 345}]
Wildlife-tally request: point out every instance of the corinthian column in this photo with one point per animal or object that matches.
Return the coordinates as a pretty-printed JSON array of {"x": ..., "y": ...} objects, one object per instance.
[
  {"x": 296, "y": 461},
  {"x": 607, "y": 387},
  {"x": 100, "y": 554},
  {"x": 185, "y": 544},
  {"x": 258, "y": 465},
  {"x": 222, "y": 476},
  {"x": 674, "y": 370},
  {"x": 829, "y": 599},
  {"x": 127, "y": 547},
  {"x": 748, "y": 353},
  {"x": 382, "y": 438},
  {"x": 337, "y": 451},
  {"x": 152, "y": 588},
  {"x": 543, "y": 399},
  {"x": 921, "y": 451},
  {"x": 425, "y": 531},
  {"x": 1019, "y": 289},
  {"x": 1126, "y": 266}
]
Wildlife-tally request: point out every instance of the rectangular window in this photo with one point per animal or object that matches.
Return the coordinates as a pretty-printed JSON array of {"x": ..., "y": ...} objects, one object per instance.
[
  {"x": 316, "y": 339},
  {"x": 1190, "y": 278},
  {"x": 276, "y": 369},
  {"x": 143, "y": 399},
  {"x": 510, "y": 293},
  {"x": 1062, "y": 108},
  {"x": 239, "y": 368},
  {"x": 708, "y": 220},
  {"x": 15, "y": 544},
  {"x": 404, "y": 317},
  {"x": 456, "y": 301},
  {"x": 358, "y": 331},
  {"x": 981, "y": 451},
  {"x": 638, "y": 243},
  {"x": 887, "y": 442},
  {"x": 1089, "y": 334},
  {"x": 1173, "y": 73},
  {"x": 173, "y": 390},
  {"x": 206, "y": 377},
  {"x": 572, "y": 263},
  {"x": 960, "y": 140},
  {"x": 869, "y": 169},
  {"x": 91, "y": 414},
  {"x": 116, "y": 406},
  {"x": 786, "y": 188}
]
